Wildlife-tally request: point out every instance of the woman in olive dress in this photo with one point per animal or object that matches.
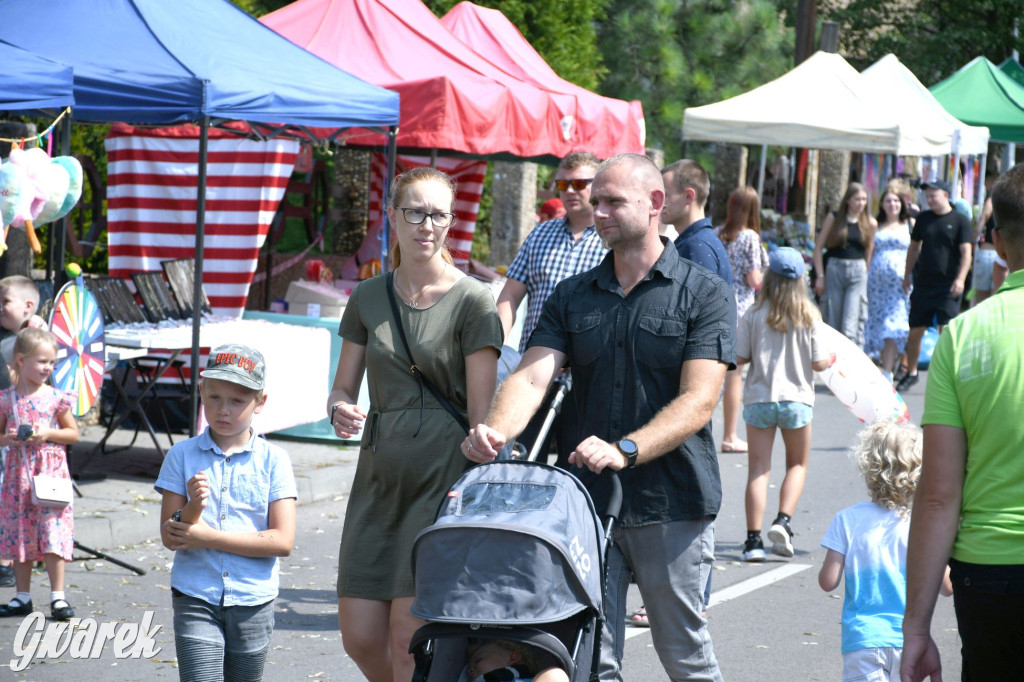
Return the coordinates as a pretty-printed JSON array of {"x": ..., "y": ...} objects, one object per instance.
[{"x": 409, "y": 453}]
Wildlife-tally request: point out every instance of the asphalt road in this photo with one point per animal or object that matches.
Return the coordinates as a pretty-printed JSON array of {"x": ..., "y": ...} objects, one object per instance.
[{"x": 768, "y": 622}]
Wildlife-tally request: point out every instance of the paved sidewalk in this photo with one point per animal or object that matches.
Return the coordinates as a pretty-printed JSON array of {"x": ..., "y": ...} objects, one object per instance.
[{"x": 122, "y": 508}]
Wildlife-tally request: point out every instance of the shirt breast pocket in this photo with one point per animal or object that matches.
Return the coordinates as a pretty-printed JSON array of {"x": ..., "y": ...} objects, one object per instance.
[
  {"x": 249, "y": 492},
  {"x": 660, "y": 341},
  {"x": 585, "y": 341}
]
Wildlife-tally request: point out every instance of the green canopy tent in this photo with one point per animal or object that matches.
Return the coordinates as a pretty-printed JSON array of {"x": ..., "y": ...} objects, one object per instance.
[
  {"x": 1012, "y": 68},
  {"x": 981, "y": 94}
]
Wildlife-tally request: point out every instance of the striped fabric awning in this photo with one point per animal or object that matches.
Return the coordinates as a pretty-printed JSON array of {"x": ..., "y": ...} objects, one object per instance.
[{"x": 151, "y": 204}]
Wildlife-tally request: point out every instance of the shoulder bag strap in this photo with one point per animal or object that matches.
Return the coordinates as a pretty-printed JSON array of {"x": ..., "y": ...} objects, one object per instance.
[{"x": 415, "y": 370}]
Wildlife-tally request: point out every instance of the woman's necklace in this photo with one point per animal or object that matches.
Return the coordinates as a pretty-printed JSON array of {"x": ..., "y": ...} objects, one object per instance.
[{"x": 414, "y": 300}]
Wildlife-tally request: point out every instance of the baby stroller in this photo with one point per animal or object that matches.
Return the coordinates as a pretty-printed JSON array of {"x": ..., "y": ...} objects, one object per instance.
[{"x": 517, "y": 553}]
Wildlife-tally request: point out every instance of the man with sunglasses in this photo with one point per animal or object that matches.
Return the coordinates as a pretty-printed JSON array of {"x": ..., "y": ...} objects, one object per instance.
[
  {"x": 554, "y": 250},
  {"x": 687, "y": 187}
]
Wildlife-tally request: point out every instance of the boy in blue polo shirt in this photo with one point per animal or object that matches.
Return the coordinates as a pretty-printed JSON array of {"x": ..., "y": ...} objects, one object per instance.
[{"x": 228, "y": 512}]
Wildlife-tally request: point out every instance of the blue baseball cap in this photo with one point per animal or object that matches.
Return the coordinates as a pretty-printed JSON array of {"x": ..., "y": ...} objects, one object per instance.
[{"x": 787, "y": 262}]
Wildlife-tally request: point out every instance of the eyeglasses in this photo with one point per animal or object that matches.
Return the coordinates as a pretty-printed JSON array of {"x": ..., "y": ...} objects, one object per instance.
[
  {"x": 415, "y": 216},
  {"x": 578, "y": 185}
]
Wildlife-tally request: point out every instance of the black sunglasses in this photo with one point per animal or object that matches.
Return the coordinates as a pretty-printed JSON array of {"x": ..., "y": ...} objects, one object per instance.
[{"x": 578, "y": 185}]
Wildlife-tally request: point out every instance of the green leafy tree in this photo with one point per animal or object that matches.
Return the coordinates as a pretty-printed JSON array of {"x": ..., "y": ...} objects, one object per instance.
[
  {"x": 673, "y": 54},
  {"x": 933, "y": 38}
]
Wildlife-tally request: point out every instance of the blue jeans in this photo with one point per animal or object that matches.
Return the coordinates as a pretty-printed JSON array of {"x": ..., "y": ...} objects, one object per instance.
[
  {"x": 218, "y": 643},
  {"x": 672, "y": 564}
]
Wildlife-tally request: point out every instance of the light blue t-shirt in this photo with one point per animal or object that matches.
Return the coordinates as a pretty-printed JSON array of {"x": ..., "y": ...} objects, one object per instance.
[
  {"x": 874, "y": 541},
  {"x": 242, "y": 486}
]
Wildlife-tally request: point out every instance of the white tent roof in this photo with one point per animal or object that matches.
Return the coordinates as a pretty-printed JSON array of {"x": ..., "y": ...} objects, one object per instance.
[
  {"x": 820, "y": 104},
  {"x": 928, "y": 129}
]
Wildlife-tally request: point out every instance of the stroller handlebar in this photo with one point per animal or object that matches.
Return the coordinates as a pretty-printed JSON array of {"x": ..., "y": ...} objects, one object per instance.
[{"x": 615, "y": 500}]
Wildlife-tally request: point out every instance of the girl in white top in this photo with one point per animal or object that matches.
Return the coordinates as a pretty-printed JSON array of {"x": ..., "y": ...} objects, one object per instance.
[{"x": 779, "y": 337}]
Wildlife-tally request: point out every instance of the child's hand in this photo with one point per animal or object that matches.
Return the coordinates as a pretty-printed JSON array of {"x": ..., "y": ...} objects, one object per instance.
[
  {"x": 181, "y": 535},
  {"x": 198, "y": 490},
  {"x": 40, "y": 434}
]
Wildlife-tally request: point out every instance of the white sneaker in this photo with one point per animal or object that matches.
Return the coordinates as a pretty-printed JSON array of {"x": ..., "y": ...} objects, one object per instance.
[
  {"x": 753, "y": 551},
  {"x": 782, "y": 540}
]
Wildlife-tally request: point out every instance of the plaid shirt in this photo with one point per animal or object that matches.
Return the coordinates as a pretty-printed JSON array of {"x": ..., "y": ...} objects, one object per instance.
[{"x": 549, "y": 255}]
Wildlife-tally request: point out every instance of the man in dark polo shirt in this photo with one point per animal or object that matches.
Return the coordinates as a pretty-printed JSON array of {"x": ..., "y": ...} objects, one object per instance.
[
  {"x": 687, "y": 187},
  {"x": 938, "y": 260},
  {"x": 649, "y": 337}
]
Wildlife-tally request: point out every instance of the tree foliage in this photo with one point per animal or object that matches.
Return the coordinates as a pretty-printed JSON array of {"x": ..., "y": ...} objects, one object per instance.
[
  {"x": 673, "y": 54},
  {"x": 933, "y": 38}
]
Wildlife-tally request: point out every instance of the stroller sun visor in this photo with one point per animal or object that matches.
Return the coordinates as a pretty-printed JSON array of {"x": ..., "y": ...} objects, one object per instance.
[{"x": 514, "y": 542}]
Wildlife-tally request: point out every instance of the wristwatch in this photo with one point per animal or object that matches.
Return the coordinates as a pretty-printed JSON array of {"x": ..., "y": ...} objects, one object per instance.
[
  {"x": 629, "y": 449},
  {"x": 176, "y": 516}
]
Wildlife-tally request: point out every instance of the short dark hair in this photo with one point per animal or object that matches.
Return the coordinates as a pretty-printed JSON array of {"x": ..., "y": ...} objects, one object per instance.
[
  {"x": 1008, "y": 207},
  {"x": 579, "y": 160},
  {"x": 691, "y": 175}
]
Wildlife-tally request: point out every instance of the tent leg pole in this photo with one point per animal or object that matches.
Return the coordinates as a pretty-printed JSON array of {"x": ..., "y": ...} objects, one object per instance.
[
  {"x": 385, "y": 233},
  {"x": 760, "y": 178},
  {"x": 981, "y": 182},
  {"x": 197, "y": 290}
]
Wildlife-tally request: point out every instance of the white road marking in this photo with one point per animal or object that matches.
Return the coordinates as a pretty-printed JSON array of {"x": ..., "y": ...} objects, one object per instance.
[{"x": 739, "y": 589}]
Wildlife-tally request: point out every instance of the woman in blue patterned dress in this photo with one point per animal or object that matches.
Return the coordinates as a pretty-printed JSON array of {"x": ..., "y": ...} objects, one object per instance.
[{"x": 888, "y": 306}]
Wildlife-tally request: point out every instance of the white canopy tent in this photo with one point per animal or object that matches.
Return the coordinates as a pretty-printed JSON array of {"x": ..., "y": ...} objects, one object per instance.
[
  {"x": 924, "y": 121},
  {"x": 820, "y": 104},
  {"x": 927, "y": 128}
]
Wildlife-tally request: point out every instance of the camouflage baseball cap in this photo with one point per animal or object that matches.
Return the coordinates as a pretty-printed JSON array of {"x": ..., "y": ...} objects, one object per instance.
[{"x": 238, "y": 364}]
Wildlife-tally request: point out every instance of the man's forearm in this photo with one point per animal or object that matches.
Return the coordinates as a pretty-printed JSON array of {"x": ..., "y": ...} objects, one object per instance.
[{"x": 514, "y": 404}]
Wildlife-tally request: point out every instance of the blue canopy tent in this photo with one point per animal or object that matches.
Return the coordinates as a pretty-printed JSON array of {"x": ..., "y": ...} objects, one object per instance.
[
  {"x": 33, "y": 83},
  {"x": 201, "y": 61}
]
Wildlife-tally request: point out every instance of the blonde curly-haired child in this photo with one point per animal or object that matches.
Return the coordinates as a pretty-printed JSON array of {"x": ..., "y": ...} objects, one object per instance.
[{"x": 868, "y": 544}]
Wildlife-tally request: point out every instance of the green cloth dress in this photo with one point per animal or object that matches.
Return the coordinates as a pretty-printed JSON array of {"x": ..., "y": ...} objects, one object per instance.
[{"x": 401, "y": 479}]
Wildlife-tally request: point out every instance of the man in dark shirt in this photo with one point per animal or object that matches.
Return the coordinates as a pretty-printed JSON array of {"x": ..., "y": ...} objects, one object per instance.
[
  {"x": 649, "y": 337},
  {"x": 938, "y": 260},
  {"x": 687, "y": 187}
]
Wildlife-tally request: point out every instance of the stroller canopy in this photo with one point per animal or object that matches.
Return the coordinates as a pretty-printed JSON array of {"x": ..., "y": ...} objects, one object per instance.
[{"x": 514, "y": 543}]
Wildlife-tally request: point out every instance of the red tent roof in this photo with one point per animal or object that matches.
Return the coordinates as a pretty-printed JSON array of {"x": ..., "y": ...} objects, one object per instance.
[
  {"x": 451, "y": 97},
  {"x": 606, "y": 126}
]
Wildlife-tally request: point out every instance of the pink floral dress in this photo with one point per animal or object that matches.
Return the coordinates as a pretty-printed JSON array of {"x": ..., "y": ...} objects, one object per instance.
[{"x": 27, "y": 531}]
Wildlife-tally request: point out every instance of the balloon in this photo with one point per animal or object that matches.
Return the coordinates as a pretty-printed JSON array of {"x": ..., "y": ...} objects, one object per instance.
[
  {"x": 74, "y": 169},
  {"x": 858, "y": 383},
  {"x": 53, "y": 185},
  {"x": 10, "y": 192}
]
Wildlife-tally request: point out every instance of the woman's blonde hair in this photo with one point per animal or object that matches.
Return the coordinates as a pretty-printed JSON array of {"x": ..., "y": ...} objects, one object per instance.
[
  {"x": 789, "y": 306},
  {"x": 888, "y": 455},
  {"x": 411, "y": 177},
  {"x": 744, "y": 211},
  {"x": 837, "y": 237}
]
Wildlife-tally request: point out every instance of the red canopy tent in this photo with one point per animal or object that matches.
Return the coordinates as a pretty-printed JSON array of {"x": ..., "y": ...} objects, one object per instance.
[
  {"x": 605, "y": 126},
  {"x": 452, "y": 99}
]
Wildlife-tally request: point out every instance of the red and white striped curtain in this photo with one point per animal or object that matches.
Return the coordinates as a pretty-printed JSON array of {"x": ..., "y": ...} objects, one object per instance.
[
  {"x": 151, "y": 205},
  {"x": 469, "y": 176}
]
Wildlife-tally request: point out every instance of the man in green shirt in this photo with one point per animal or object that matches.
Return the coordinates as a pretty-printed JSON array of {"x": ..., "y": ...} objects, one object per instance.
[{"x": 969, "y": 507}]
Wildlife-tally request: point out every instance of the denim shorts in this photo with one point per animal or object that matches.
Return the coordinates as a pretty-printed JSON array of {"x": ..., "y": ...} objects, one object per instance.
[
  {"x": 221, "y": 642},
  {"x": 785, "y": 415}
]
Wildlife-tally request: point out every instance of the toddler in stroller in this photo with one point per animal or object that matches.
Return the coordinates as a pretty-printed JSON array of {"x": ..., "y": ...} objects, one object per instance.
[
  {"x": 497, "y": 660},
  {"x": 516, "y": 554}
]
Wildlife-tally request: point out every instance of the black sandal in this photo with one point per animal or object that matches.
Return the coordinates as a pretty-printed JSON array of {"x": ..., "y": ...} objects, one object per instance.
[
  {"x": 64, "y": 612},
  {"x": 12, "y": 609}
]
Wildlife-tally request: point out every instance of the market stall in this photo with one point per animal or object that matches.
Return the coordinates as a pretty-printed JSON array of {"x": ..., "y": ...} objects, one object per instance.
[{"x": 152, "y": 62}]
